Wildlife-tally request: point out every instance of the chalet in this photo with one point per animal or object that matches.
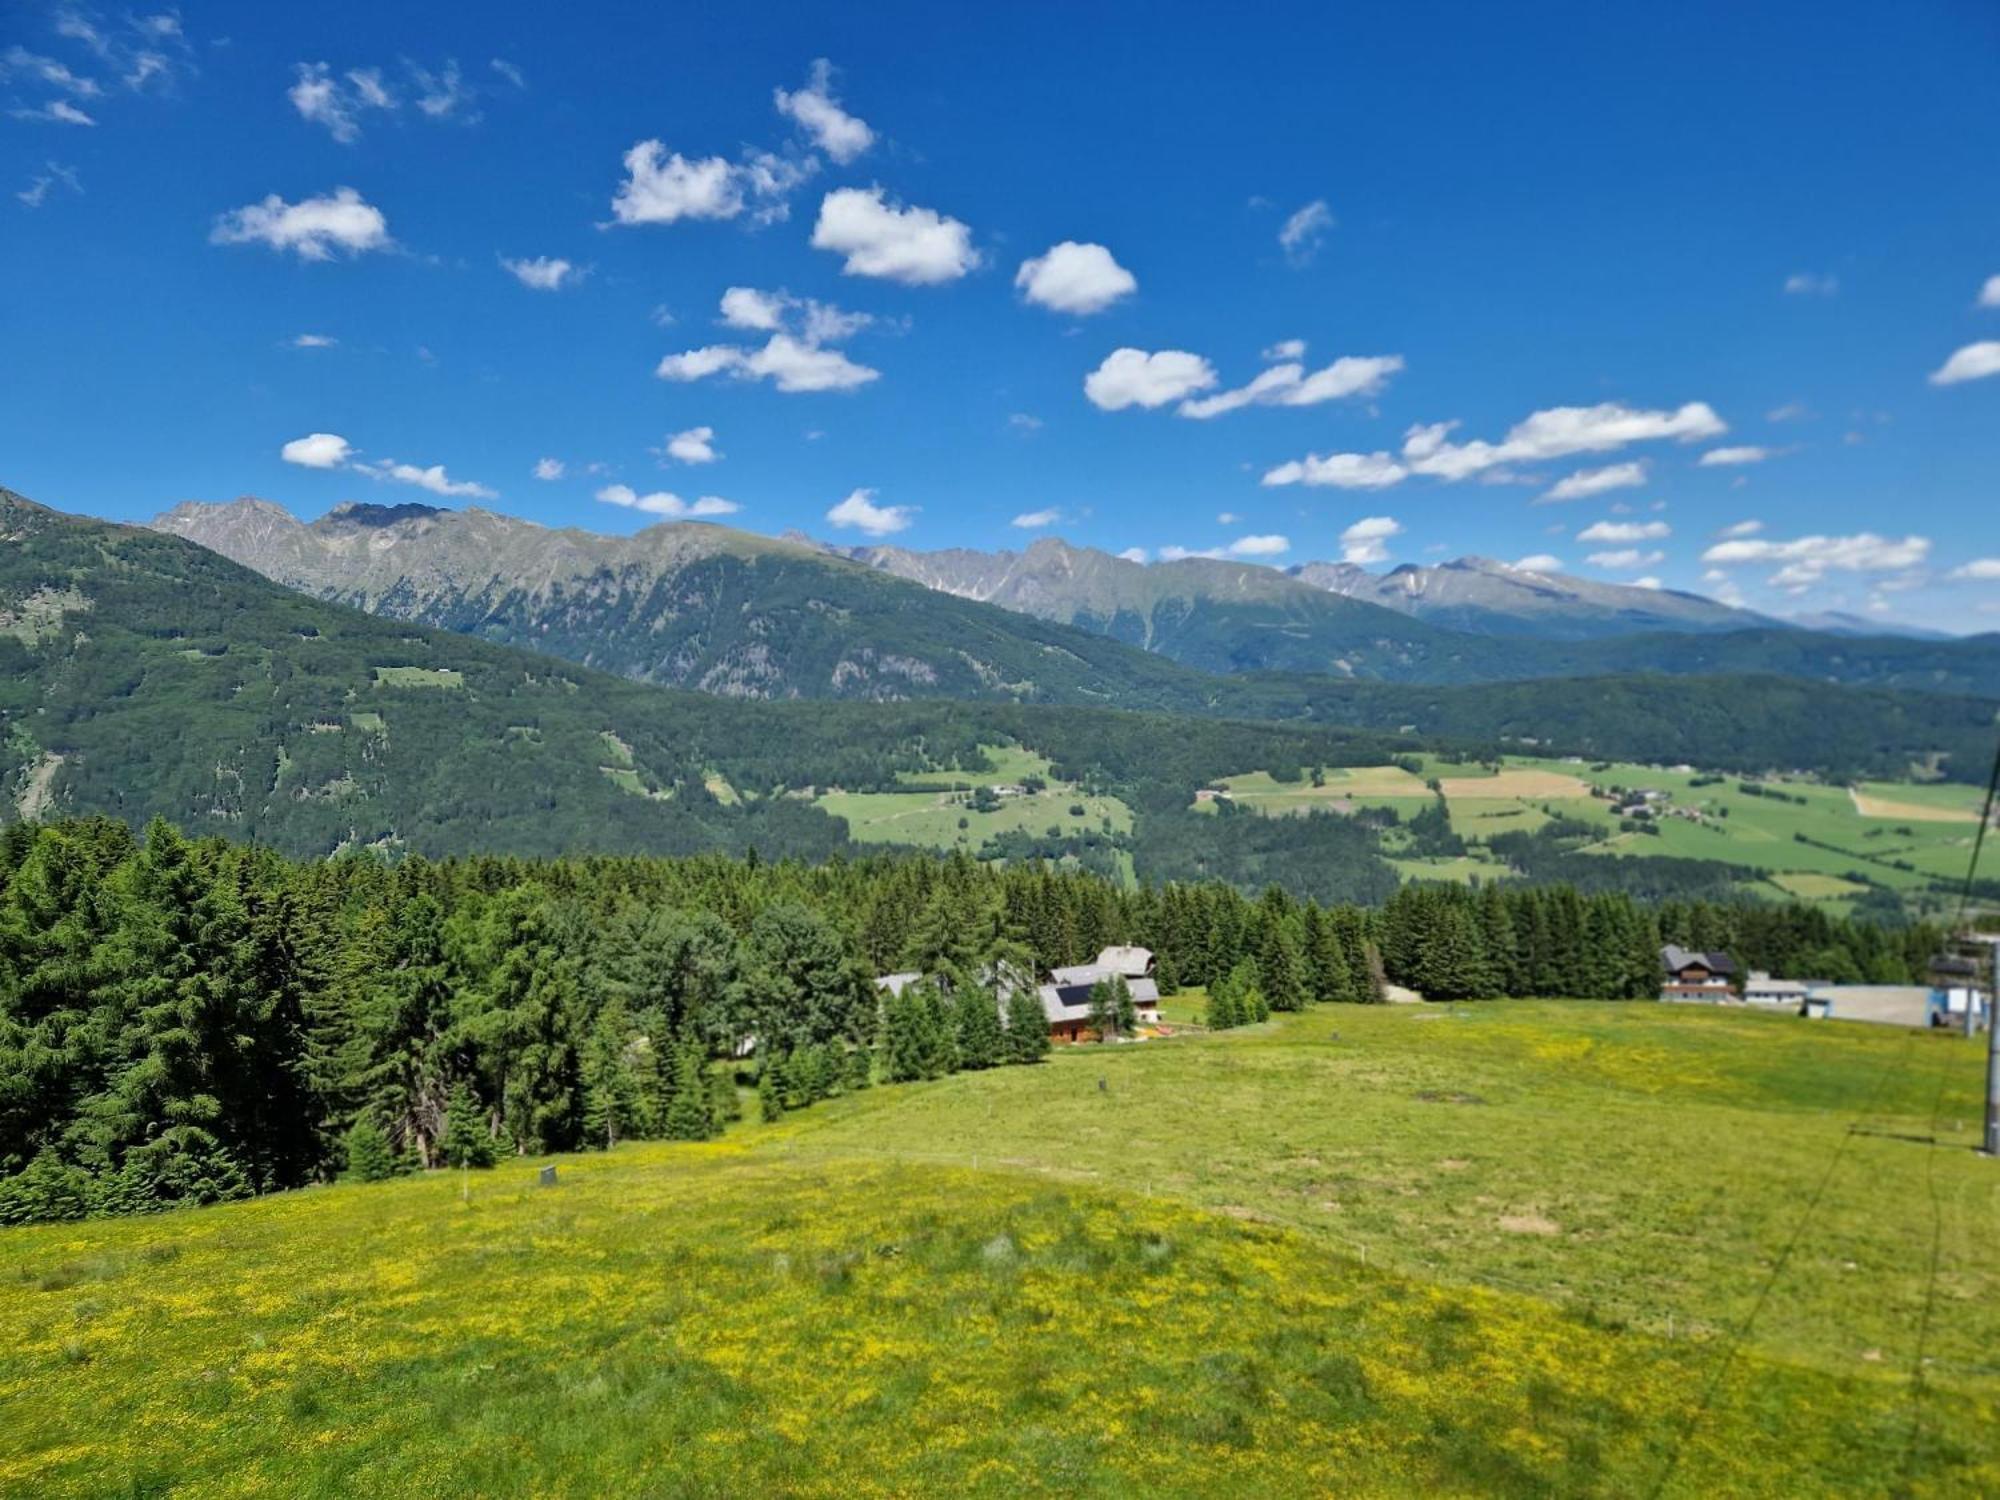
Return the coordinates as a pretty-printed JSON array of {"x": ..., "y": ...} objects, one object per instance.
[
  {"x": 1693, "y": 975},
  {"x": 1066, "y": 997}
]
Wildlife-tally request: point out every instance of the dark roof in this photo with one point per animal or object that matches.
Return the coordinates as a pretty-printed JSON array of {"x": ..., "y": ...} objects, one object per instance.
[{"x": 1675, "y": 958}]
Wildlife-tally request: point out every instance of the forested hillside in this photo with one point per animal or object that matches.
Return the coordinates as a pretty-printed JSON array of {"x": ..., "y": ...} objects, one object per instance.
[{"x": 183, "y": 1021}]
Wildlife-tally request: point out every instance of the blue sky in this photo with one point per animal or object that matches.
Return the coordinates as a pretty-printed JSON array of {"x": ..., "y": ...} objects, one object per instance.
[{"x": 1716, "y": 272}]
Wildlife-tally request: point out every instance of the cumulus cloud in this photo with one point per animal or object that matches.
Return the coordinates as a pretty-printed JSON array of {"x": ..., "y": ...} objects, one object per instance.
[
  {"x": 1557, "y": 432},
  {"x": 1227, "y": 518},
  {"x": 1260, "y": 546},
  {"x": 840, "y": 135},
  {"x": 432, "y": 478},
  {"x": 341, "y": 102},
  {"x": 1134, "y": 554},
  {"x": 1074, "y": 278},
  {"x": 1285, "y": 349},
  {"x": 791, "y": 364},
  {"x": 1985, "y": 569},
  {"x": 549, "y": 468},
  {"x": 1035, "y": 520},
  {"x": 1366, "y": 541},
  {"x": 1989, "y": 294},
  {"x": 1811, "y": 284},
  {"x": 1183, "y": 554},
  {"x": 695, "y": 446},
  {"x": 764, "y": 312},
  {"x": 1648, "y": 582},
  {"x": 916, "y": 246},
  {"x": 1623, "y": 558},
  {"x": 1341, "y": 471},
  {"x": 664, "y": 503},
  {"x": 1301, "y": 235},
  {"x": 1726, "y": 457},
  {"x": 1625, "y": 531},
  {"x": 1807, "y": 559},
  {"x": 1742, "y": 528},
  {"x": 663, "y": 187},
  {"x": 318, "y": 450},
  {"x": 1540, "y": 562},
  {"x": 1132, "y": 377},
  {"x": 544, "y": 273},
  {"x": 1973, "y": 362},
  {"x": 860, "y": 512},
  {"x": 313, "y": 228},
  {"x": 1290, "y": 385},
  {"x": 1585, "y": 483}
]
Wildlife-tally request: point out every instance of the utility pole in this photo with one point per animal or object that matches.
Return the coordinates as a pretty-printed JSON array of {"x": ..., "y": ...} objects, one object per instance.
[{"x": 1992, "y": 1045}]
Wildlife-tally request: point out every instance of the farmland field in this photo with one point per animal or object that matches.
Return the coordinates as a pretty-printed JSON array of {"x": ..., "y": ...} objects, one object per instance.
[
  {"x": 930, "y": 818},
  {"x": 1505, "y": 1249},
  {"x": 1807, "y": 839}
]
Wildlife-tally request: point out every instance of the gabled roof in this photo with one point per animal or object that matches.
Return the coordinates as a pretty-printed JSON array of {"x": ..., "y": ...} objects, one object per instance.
[{"x": 1676, "y": 958}]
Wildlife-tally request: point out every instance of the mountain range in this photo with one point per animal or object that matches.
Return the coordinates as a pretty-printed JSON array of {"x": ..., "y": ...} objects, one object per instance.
[
  {"x": 704, "y": 606},
  {"x": 142, "y": 674}
]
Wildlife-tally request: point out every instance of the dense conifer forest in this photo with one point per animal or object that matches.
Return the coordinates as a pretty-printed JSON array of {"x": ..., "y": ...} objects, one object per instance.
[{"x": 189, "y": 1020}]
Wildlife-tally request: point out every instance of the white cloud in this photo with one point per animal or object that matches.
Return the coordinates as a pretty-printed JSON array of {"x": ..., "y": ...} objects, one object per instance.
[
  {"x": 322, "y": 99},
  {"x": 1289, "y": 385},
  {"x": 1074, "y": 278},
  {"x": 1989, "y": 294},
  {"x": 1286, "y": 349},
  {"x": 48, "y": 70},
  {"x": 1623, "y": 558},
  {"x": 1022, "y": 421},
  {"x": 1625, "y": 531},
  {"x": 860, "y": 512},
  {"x": 1972, "y": 362},
  {"x": 663, "y": 187},
  {"x": 314, "y": 341},
  {"x": 766, "y": 312},
  {"x": 1647, "y": 582},
  {"x": 1985, "y": 569},
  {"x": 340, "y": 102},
  {"x": 1183, "y": 554},
  {"x": 549, "y": 468},
  {"x": 1034, "y": 520},
  {"x": 432, "y": 478},
  {"x": 313, "y": 228},
  {"x": 1791, "y": 411},
  {"x": 1341, "y": 471},
  {"x": 1585, "y": 483},
  {"x": 791, "y": 365},
  {"x": 664, "y": 503},
  {"x": 1541, "y": 562},
  {"x": 1227, "y": 518},
  {"x": 1809, "y": 558},
  {"x": 1301, "y": 235},
  {"x": 1132, "y": 377},
  {"x": 695, "y": 446},
  {"x": 1811, "y": 284},
  {"x": 544, "y": 273},
  {"x": 442, "y": 94},
  {"x": 1134, "y": 554},
  {"x": 1742, "y": 528},
  {"x": 56, "y": 112},
  {"x": 509, "y": 72},
  {"x": 839, "y": 134},
  {"x": 1724, "y": 457},
  {"x": 1260, "y": 546},
  {"x": 746, "y": 307},
  {"x": 916, "y": 246},
  {"x": 1366, "y": 541},
  {"x": 319, "y": 450},
  {"x": 1556, "y": 432}
]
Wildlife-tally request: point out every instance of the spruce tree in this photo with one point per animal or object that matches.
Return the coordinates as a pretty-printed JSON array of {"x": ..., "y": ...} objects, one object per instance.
[
  {"x": 770, "y": 1104},
  {"x": 1279, "y": 976},
  {"x": 1027, "y": 1026},
  {"x": 370, "y": 1158},
  {"x": 691, "y": 1116},
  {"x": 1103, "y": 1019},
  {"x": 466, "y": 1142},
  {"x": 1124, "y": 1014}
]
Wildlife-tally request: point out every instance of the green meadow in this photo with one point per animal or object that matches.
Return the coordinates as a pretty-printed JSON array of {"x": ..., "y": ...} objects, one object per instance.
[
  {"x": 930, "y": 818},
  {"x": 1501, "y": 1249}
]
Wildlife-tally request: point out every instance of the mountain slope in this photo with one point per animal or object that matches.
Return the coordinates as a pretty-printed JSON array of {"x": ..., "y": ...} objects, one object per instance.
[{"x": 1497, "y": 598}]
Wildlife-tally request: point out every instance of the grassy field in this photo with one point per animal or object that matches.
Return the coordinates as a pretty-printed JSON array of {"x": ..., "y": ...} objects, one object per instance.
[
  {"x": 1904, "y": 836},
  {"x": 931, "y": 819},
  {"x": 1511, "y": 1249}
]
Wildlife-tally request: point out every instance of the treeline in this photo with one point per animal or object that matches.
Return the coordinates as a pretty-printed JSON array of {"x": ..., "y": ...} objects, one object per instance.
[{"x": 183, "y": 1021}]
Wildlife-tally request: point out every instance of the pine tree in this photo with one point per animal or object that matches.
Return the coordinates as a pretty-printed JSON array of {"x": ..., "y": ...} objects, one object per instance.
[
  {"x": 1027, "y": 1026},
  {"x": 370, "y": 1157},
  {"x": 691, "y": 1116},
  {"x": 1279, "y": 976},
  {"x": 466, "y": 1142},
  {"x": 1124, "y": 1014},
  {"x": 770, "y": 1104},
  {"x": 978, "y": 1027},
  {"x": 1103, "y": 1019}
]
